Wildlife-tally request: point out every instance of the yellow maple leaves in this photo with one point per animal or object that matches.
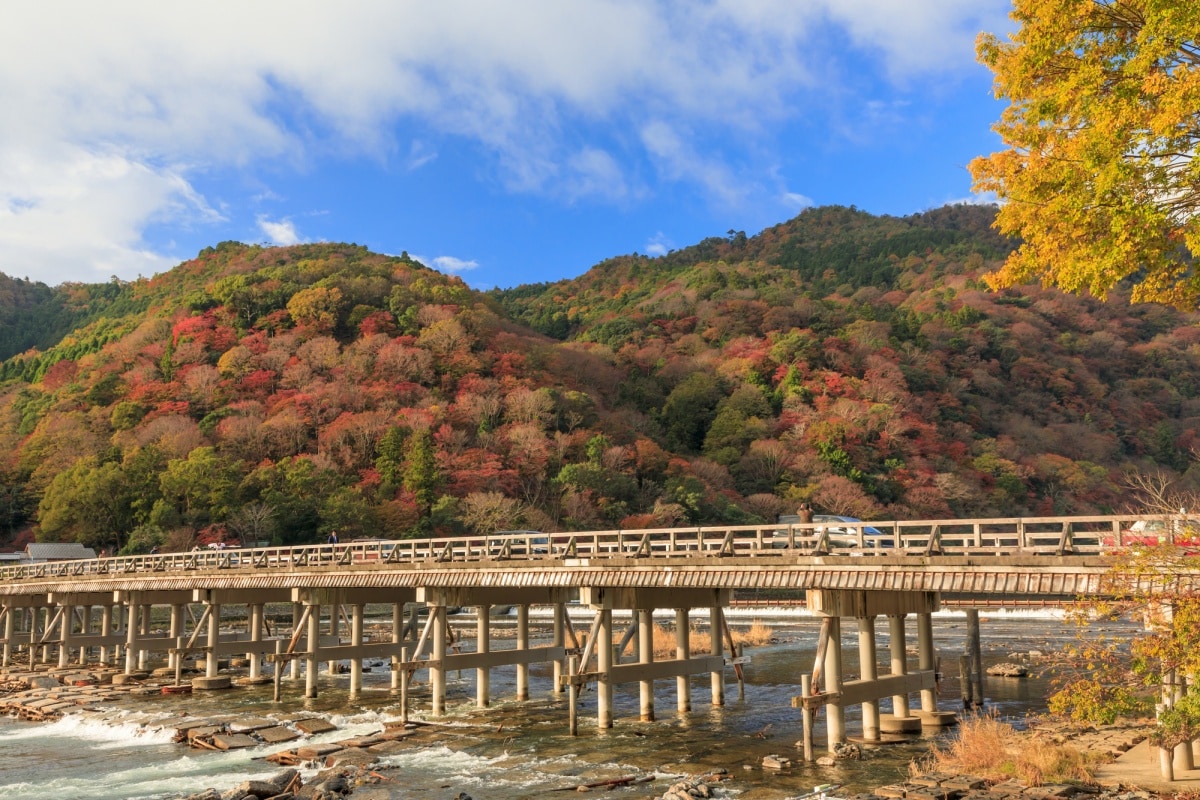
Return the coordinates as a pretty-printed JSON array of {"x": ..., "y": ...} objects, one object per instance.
[{"x": 1101, "y": 179}]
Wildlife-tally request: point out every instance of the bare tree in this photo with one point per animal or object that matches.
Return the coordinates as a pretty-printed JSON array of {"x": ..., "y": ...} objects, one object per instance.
[{"x": 253, "y": 523}]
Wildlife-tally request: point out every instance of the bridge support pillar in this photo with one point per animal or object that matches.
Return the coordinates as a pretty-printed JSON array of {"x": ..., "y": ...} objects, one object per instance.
[
  {"x": 46, "y": 617},
  {"x": 716, "y": 622},
  {"x": 483, "y": 635},
  {"x": 67, "y": 613},
  {"x": 646, "y": 656},
  {"x": 297, "y": 615},
  {"x": 604, "y": 664},
  {"x": 356, "y": 637},
  {"x": 926, "y": 658},
  {"x": 523, "y": 644},
  {"x": 836, "y": 725},
  {"x": 129, "y": 612},
  {"x": 9, "y": 631},
  {"x": 176, "y": 631},
  {"x": 683, "y": 685},
  {"x": 85, "y": 628},
  {"x": 437, "y": 671},
  {"x": 870, "y": 672},
  {"x": 144, "y": 653},
  {"x": 397, "y": 637},
  {"x": 899, "y": 652},
  {"x": 559, "y": 640},
  {"x": 106, "y": 628},
  {"x": 975, "y": 657},
  {"x": 335, "y": 613},
  {"x": 314, "y": 650},
  {"x": 256, "y": 631},
  {"x": 214, "y": 638}
]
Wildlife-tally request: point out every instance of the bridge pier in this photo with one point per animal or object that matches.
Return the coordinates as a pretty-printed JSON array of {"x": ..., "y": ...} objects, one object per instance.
[
  {"x": 869, "y": 671},
  {"x": 645, "y": 618},
  {"x": 9, "y": 630},
  {"x": 865, "y": 606},
  {"x": 356, "y": 638},
  {"x": 522, "y": 646},
  {"x": 483, "y": 633},
  {"x": 683, "y": 686}
]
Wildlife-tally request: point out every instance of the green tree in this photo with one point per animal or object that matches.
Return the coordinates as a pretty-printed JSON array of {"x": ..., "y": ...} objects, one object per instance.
[
  {"x": 688, "y": 411},
  {"x": 421, "y": 474},
  {"x": 89, "y": 502},
  {"x": 203, "y": 487},
  {"x": 1101, "y": 179}
]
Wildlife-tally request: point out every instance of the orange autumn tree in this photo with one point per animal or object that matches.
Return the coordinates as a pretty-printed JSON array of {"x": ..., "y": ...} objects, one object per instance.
[{"x": 1100, "y": 178}]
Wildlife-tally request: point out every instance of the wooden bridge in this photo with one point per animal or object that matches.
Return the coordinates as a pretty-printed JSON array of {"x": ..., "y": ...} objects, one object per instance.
[{"x": 859, "y": 570}]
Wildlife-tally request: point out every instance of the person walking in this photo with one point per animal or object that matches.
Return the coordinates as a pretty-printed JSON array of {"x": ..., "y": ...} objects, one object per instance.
[
  {"x": 332, "y": 538},
  {"x": 805, "y": 512}
]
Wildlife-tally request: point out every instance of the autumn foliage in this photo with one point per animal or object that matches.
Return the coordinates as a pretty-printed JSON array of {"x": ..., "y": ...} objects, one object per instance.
[{"x": 855, "y": 362}]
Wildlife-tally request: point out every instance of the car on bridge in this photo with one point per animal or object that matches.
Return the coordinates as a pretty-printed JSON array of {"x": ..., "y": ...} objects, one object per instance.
[{"x": 841, "y": 536}]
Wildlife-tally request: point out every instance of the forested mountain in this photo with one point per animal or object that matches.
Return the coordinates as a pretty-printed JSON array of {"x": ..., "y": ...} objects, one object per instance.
[{"x": 853, "y": 361}]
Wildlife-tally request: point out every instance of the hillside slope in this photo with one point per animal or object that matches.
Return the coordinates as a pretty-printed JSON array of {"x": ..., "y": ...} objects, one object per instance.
[{"x": 853, "y": 361}]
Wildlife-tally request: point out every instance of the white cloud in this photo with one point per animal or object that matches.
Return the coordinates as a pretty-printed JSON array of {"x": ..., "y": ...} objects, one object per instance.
[
  {"x": 451, "y": 264},
  {"x": 281, "y": 233},
  {"x": 167, "y": 92},
  {"x": 795, "y": 201},
  {"x": 659, "y": 245}
]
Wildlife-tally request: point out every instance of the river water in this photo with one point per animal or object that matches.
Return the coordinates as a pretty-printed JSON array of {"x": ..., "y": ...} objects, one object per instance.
[{"x": 519, "y": 750}]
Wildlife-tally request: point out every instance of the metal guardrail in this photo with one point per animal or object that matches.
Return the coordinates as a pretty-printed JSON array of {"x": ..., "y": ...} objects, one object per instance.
[{"x": 1040, "y": 536}]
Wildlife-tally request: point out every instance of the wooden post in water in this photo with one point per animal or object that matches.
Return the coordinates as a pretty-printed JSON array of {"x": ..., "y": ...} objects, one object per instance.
[
  {"x": 397, "y": 637},
  {"x": 523, "y": 644},
  {"x": 176, "y": 632},
  {"x": 64, "y": 636},
  {"x": 869, "y": 670},
  {"x": 604, "y": 663},
  {"x": 106, "y": 628},
  {"x": 85, "y": 628},
  {"x": 9, "y": 631},
  {"x": 403, "y": 686},
  {"x": 976, "y": 657},
  {"x": 356, "y": 637},
  {"x": 143, "y": 653},
  {"x": 335, "y": 612},
  {"x": 559, "y": 640},
  {"x": 437, "y": 671},
  {"x": 294, "y": 666},
  {"x": 214, "y": 634},
  {"x": 483, "y": 635},
  {"x": 314, "y": 648},
  {"x": 573, "y": 697},
  {"x": 256, "y": 630},
  {"x": 277, "y": 674},
  {"x": 964, "y": 679},
  {"x": 806, "y": 716}
]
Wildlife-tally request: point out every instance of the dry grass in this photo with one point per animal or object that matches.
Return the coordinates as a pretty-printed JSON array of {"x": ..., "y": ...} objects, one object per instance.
[
  {"x": 701, "y": 642},
  {"x": 996, "y": 751}
]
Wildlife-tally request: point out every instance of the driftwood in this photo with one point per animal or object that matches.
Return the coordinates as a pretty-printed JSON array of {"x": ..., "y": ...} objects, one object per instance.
[{"x": 627, "y": 780}]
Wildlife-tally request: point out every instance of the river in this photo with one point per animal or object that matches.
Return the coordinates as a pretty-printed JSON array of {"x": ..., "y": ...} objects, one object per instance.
[{"x": 519, "y": 750}]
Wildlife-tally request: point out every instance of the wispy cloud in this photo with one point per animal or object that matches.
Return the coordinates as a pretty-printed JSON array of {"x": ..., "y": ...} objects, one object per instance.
[
  {"x": 451, "y": 264},
  {"x": 659, "y": 245},
  {"x": 279, "y": 232}
]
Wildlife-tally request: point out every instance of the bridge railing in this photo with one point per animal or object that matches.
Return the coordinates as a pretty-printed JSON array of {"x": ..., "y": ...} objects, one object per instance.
[{"x": 1041, "y": 536}]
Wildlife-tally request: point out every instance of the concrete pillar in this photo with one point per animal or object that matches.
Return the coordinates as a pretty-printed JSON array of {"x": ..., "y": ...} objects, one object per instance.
[
  {"x": 256, "y": 631},
  {"x": 9, "y": 632},
  {"x": 335, "y": 613},
  {"x": 314, "y": 651},
  {"x": 717, "y": 649},
  {"x": 214, "y": 633},
  {"x": 437, "y": 673},
  {"x": 683, "y": 688},
  {"x": 604, "y": 663},
  {"x": 294, "y": 666},
  {"x": 87, "y": 622},
  {"x": 106, "y": 628},
  {"x": 356, "y": 637},
  {"x": 836, "y": 726},
  {"x": 523, "y": 644},
  {"x": 559, "y": 640},
  {"x": 483, "y": 635},
  {"x": 926, "y": 658},
  {"x": 129, "y": 611},
  {"x": 64, "y": 637},
  {"x": 867, "y": 667},
  {"x": 897, "y": 646},
  {"x": 176, "y": 630},
  {"x": 397, "y": 634},
  {"x": 46, "y": 617},
  {"x": 646, "y": 656},
  {"x": 144, "y": 632},
  {"x": 975, "y": 651}
]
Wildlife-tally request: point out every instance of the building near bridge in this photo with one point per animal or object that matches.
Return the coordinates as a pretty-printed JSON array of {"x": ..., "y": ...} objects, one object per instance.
[{"x": 57, "y": 551}]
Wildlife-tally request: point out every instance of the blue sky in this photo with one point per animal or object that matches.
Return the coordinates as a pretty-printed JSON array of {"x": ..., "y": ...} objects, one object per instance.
[{"x": 506, "y": 142}]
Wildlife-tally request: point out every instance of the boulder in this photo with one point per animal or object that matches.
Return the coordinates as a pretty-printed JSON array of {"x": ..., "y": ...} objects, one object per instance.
[{"x": 1008, "y": 670}]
